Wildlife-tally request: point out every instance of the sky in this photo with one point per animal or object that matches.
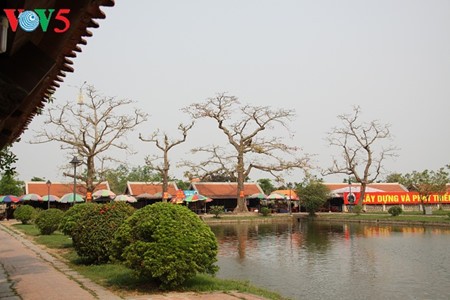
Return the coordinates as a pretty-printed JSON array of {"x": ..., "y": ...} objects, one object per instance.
[{"x": 320, "y": 58}]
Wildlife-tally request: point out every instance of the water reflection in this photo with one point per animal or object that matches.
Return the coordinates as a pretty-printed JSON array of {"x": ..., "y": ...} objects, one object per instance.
[{"x": 309, "y": 260}]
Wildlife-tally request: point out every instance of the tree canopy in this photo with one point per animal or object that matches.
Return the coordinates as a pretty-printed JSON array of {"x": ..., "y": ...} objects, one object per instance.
[
  {"x": 313, "y": 194},
  {"x": 160, "y": 163},
  {"x": 249, "y": 145},
  {"x": 424, "y": 182},
  {"x": 90, "y": 129},
  {"x": 363, "y": 148}
]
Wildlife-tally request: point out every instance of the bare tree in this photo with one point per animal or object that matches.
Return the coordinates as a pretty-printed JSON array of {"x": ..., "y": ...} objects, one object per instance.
[
  {"x": 250, "y": 149},
  {"x": 362, "y": 157},
  {"x": 90, "y": 130},
  {"x": 218, "y": 166},
  {"x": 163, "y": 143}
]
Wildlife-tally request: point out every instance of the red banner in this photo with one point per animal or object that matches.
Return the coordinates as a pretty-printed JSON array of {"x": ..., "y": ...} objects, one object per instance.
[{"x": 397, "y": 198}]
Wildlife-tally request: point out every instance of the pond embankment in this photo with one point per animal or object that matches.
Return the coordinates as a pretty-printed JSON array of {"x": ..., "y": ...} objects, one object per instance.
[{"x": 425, "y": 220}]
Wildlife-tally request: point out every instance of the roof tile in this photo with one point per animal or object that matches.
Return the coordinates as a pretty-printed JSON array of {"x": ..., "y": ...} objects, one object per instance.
[
  {"x": 224, "y": 190},
  {"x": 59, "y": 189}
]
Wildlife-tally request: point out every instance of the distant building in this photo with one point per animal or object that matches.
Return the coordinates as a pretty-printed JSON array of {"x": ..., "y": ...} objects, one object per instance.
[{"x": 226, "y": 193}]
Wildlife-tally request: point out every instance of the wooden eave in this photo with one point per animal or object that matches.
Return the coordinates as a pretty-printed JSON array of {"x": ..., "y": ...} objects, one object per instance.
[{"x": 34, "y": 63}]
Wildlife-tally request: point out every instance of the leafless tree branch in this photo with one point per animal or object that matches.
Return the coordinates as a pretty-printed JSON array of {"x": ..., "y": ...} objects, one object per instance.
[
  {"x": 244, "y": 125},
  {"x": 164, "y": 144},
  {"x": 89, "y": 129}
]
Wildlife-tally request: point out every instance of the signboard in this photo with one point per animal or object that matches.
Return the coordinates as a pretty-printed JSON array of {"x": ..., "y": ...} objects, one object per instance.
[
  {"x": 188, "y": 193},
  {"x": 396, "y": 198}
]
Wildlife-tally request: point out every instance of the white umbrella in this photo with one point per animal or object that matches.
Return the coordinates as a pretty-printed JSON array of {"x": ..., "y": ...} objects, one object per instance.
[
  {"x": 126, "y": 198},
  {"x": 354, "y": 189},
  {"x": 69, "y": 197},
  {"x": 103, "y": 194},
  {"x": 276, "y": 196}
]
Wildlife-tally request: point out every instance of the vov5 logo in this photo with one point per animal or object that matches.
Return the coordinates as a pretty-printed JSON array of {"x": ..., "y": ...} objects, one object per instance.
[{"x": 29, "y": 20}]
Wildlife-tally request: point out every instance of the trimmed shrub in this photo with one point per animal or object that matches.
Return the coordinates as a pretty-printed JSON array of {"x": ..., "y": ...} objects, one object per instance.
[
  {"x": 166, "y": 243},
  {"x": 92, "y": 235},
  {"x": 217, "y": 210},
  {"x": 395, "y": 210},
  {"x": 48, "y": 220},
  {"x": 265, "y": 211},
  {"x": 357, "y": 209},
  {"x": 73, "y": 216},
  {"x": 36, "y": 213},
  {"x": 24, "y": 213}
]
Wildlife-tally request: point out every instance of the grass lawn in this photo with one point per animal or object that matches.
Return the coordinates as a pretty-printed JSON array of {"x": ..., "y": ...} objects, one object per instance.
[
  {"x": 56, "y": 240},
  {"x": 123, "y": 281}
]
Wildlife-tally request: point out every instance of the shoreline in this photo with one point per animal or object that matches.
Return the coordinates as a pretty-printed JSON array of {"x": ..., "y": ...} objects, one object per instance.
[{"x": 327, "y": 217}]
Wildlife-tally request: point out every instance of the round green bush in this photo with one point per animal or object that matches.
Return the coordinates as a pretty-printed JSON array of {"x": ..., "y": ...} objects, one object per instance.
[
  {"x": 24, "y": 213},
  {"x": 72, "y": 217},
  {"x": 92, "y": 236},
  {"x": 217, "y": 210},
  {"x": 265, "y": 211},
  {"x": 36, "y": 213},
  {"x": 395, "y": 210},
  {"x": 48, "y": 220},
  {"x": 357, "y": 209},
  {"x": 166, "y": 243}
]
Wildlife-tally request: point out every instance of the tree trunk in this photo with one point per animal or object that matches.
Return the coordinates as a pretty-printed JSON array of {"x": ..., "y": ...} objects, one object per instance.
[
  {"x": 241, "y": 205},
  {"x": 362, "y": 193},
  {"x": 90, "y": 173},
  {"x": 165, "y": 174},
  {"x": 423, "y": 203}
]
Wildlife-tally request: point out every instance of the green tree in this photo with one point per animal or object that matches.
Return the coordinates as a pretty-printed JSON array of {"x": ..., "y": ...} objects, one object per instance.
[
  {"x": 313, "y": 194},
  {"x": 37, "y": 179},
  {"x": 10, "y": 186},
  {"x": 183, "y": 185},
  {"x": 144, "y": 173},
  {"x": 7, "y": 160},
  {"x": 395, "y": 178},
  {"x": 266, "y": 185},
  {"x": 426, "y": 183},
  {"x": 118, "y": 178}
]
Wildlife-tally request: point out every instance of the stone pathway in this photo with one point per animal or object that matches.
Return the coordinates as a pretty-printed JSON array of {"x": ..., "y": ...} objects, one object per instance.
[{"x": 32, "y": 273}]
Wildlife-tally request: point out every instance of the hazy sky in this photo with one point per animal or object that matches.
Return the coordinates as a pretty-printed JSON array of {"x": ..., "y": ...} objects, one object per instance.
[{"x": 318, "y": 57}]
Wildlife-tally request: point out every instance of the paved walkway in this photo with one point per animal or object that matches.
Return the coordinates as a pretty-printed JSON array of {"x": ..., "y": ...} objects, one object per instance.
[{"x": 28, "y": 272}]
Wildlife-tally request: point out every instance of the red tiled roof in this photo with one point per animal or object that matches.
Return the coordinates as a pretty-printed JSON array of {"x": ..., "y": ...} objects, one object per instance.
[
  {"x": 224, "y": 190},
  {"x": 389, "y": 187},
  {"x": 137, "y": 188},
  {"x": 386, "y": 187},
  {"x": 59, "y": 189},
  {"x": 335, "y": 186}
]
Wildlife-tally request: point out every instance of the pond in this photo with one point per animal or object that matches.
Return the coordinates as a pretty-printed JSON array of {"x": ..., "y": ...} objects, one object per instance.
[{"x": 321, "y": 260}]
